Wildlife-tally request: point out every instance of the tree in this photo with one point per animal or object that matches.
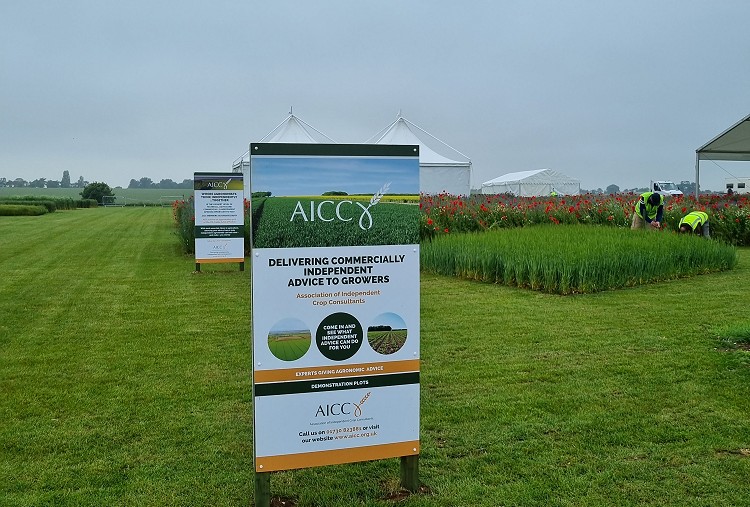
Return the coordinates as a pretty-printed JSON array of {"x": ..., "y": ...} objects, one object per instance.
[
  {"x": 65, "y": 181},
  {"x": 145, "y": 183},
  {"x": 613, "y": 189},
  {"x": 167, "y": 183},
  {"x": 38, "y": 183},
  {"x": 53, "y": 184},
  {"x": 81, "y": 182},
  {"x": 19, "y": 183},
  {"x": 687, "y": 187},
  {"x": 96, "y": 191},
  {"x": 133, "y": 183}
]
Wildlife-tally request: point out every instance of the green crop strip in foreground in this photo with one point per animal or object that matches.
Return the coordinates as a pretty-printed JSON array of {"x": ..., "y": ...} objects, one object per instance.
[
  {"x": 125, "y": 379},
  {"x": 574, "y": 259}
]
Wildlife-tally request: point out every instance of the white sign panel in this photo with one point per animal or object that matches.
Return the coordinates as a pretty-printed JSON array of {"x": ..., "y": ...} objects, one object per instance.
[
  {"x": 335, "y": 304},
  {"x": 219, "y": 217}
]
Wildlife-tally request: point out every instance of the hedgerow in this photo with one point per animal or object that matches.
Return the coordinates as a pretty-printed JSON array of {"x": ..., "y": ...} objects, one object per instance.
[{"x": 9, "y": 210}]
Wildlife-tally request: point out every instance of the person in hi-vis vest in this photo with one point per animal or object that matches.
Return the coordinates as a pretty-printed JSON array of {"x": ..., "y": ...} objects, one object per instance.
[
  {"x": 695, "y": 222},
  {"x": 648, "y": 210}
]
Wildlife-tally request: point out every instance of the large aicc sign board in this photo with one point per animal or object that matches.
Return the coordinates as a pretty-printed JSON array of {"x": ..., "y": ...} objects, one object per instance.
[{"x": 335, "y": 304}]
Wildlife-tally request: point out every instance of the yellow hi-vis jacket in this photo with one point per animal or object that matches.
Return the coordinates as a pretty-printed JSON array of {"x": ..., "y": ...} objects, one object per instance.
[
  {"x": 694, "y": 219},
  {"x": 651, "y": 211}
]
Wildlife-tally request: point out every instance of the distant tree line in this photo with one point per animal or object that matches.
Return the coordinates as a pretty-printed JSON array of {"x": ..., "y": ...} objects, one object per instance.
[
  {"x": 165, "y": 183},
  {"x": 687, "y": 188},
  {"x": 64, "y": 182},
  {"x": 380, "y": 328}
]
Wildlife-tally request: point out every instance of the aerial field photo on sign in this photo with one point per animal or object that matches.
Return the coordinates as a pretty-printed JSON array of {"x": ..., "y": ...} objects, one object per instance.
[
  {"x": 289, "y": 339},
  {"x": 388, "y": 333}
]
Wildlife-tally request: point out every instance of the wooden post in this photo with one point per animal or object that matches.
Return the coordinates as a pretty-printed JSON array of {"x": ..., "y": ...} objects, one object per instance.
[
  {"x": 262, "y": 489},
  {"x": 198, "y": 266},
  {"x": 410, "y": 472},
  {"x": 242, "y": 266}
]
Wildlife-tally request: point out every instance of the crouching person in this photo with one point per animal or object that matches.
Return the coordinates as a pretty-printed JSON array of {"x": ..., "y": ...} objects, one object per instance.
[
  {"x": 695, "y": 222},
  {"x": 649, "y": 211}
]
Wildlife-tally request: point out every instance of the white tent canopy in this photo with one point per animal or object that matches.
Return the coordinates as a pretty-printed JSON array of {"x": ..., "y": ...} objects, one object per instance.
[
  {"x": 533, "y": 183},
  {"x": 437, "y": 173},
  {"x": 732, "y": 144},
  {"x": 295, "y": 130},
  {"x": 291, "y": 130}
]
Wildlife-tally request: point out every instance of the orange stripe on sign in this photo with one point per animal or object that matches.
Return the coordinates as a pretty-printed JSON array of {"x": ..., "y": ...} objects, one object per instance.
[
  {"x": 349, "y": 370},
  {"x": 335, "y": 457},
  {"x": 215, "y": 261}
]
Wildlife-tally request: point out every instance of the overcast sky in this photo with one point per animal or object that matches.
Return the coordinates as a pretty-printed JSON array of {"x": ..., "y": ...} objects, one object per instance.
[{"x": 604, "y": 91}]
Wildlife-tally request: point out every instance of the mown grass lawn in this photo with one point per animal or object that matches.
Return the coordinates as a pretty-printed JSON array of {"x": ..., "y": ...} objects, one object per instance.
[{"x": 125, "y": 380}]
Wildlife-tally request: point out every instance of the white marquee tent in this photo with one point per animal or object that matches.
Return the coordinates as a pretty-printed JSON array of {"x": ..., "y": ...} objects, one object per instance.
[
  {"x": 732, "y": 144},
  {"x": 437, "y": 172},
  {"x": 291, "y": 130},
  {"x": 538, "y": 182}
]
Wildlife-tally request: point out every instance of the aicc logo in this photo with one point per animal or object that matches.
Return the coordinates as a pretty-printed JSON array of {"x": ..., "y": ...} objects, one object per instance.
[
  {"x": 346, "y": 408},
  {"x": 220, "y": 184},
  {"x": 343, "y": 210}
]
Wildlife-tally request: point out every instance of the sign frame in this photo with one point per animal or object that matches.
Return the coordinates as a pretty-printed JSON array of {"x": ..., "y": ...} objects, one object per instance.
[
  {"x": 334, "y": 278},
  {"x": 219, "y": 218}
]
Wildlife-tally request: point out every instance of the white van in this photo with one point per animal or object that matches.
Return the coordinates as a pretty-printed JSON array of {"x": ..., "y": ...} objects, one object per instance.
[{"x": 666, "y": 188}]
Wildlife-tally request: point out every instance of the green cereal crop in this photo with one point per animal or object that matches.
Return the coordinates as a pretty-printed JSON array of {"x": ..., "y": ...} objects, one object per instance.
[
  {"x": 387, "y": 342},
  {"x": 575, "y": 258},
  {"x": 288, "y": 222},
  {"x": 289, "y": 346}
]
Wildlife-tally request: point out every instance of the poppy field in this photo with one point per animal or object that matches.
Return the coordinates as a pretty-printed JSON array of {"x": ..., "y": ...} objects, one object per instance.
[{"x": 729, "y": 216}]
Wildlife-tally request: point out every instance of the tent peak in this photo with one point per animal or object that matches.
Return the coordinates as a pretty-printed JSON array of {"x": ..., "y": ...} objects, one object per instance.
[
  {"x": 402, "y": 122},
  {"x": 295, "y": 129}
]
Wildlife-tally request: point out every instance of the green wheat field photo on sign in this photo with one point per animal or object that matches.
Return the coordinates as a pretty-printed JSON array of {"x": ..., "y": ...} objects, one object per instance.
[{"x": 293, "y": 206}]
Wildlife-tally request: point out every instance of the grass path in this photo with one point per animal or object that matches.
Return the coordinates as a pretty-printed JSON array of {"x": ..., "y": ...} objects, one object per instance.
[
  {"x": 124, "y": 376},
  {"x": 125, "y": 380}
]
